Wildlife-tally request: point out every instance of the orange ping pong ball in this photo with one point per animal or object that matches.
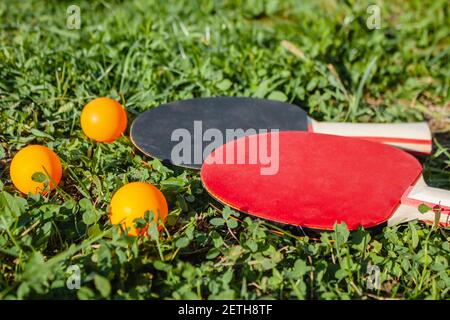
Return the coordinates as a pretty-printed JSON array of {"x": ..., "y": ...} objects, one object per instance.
[
  {"x": 132, "y": 201},
  {"x": 33, "y": 159},
  {"x": 103, "y": 119}
]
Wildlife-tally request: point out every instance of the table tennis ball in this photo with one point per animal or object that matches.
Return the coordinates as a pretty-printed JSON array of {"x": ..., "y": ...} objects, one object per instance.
[
  {"x": 132, "y": 201},
  {"x": 33, "y": 159},
  {"x": 103, "y": 120}
]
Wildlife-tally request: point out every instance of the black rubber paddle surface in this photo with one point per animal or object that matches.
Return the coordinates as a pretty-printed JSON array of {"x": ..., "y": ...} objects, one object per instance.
[{"x": 184, "y": 132}]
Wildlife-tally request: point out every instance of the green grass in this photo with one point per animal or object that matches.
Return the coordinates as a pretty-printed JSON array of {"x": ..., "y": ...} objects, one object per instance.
[{"x": 145, "y": 53}]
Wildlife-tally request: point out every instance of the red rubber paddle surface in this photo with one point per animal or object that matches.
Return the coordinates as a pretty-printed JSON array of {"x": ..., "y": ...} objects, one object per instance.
[{"x": 321, "y": 180}]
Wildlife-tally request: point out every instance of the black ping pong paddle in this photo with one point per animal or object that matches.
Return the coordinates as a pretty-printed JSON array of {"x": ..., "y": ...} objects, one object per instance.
[{"x": 184, "y": 132}]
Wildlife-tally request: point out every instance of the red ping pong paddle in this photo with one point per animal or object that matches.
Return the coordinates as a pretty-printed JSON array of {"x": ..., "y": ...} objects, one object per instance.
[{"x": 316, "y": 180}]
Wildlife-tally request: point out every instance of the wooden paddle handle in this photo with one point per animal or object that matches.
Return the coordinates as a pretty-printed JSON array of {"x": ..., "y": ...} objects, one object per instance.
[
  {"x": 406, "y": 213},
  {"x": 428, "y": 195},
  {"x": 436, "y": 199},
  {"x": 412, "y": 137}
]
